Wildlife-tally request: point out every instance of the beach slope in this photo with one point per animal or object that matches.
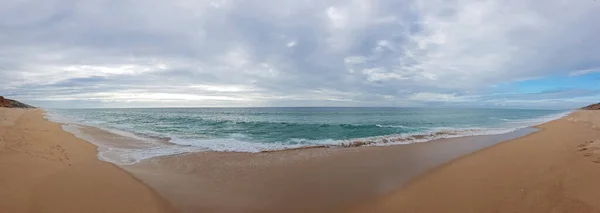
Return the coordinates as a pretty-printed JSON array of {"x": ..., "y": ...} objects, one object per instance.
[
  {"x": 554, "y": 170},
  {"x": 45, "y": 169}
]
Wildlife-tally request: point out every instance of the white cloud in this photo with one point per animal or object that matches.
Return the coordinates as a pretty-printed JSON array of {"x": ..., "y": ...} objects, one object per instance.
[
  {"x": 291, "y": 44},
  {"x": 222, "y": 88},
  {"x": 475, "y": 43},
  {"x": 584, "y": 71},
  {"x": 346, "y": 21},
  {"x": 357, "y": 52},
  {"x": 439, "y": 97},
  {"x": 379, "y": 74},
  {"x": 338, "y": 18}
]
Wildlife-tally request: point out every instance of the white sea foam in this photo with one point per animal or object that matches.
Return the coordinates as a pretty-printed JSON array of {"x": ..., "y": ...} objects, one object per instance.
[
  {"x": 58, "y": 117},
  {"x": 521, "y": 123},
  {"x": 393, "y": 126},
  {"x": 451, "y": 132},
  {"x": 123, "y": 156},
  {"x": 145, "y": 148},
  {"x": 230, "y": 145}
]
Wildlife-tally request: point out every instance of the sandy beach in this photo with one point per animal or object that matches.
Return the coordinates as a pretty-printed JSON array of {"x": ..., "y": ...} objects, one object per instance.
[
  {"x": 554, "y": 170},
  {"x": 45, "y": 169},
  {"x": 299, "y": 106}
]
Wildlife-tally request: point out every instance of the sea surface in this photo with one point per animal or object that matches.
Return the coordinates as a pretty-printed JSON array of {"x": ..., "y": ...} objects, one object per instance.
[{"x": 169, "y": 131}]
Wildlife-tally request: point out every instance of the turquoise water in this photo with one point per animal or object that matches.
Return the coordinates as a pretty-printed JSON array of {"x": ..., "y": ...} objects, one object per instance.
[{"x": 261, "y": 129}]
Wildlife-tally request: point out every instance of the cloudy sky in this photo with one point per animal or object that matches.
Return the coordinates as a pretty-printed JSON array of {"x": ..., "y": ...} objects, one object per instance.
[{"x": 208, "y": 53}]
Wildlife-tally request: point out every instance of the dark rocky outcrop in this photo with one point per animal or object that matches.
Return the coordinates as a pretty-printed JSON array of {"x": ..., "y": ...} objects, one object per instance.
[
  {"x": 4, "y": 102},
  {"x": 592, "y": 107}
]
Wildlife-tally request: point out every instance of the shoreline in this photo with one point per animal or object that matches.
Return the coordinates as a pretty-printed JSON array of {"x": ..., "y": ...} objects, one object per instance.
[
  {"x": 381, "y": 135},
  {"x": 45, "y": 169},
  {"x": 327, "y": 178},
  {"x": 482, "y": 193},
  {"x": 144, "y": 146},
  {"x": 537, "y": 128},
  {"x": 349, "y": 179},
  {"x": 181, "y": 185}
]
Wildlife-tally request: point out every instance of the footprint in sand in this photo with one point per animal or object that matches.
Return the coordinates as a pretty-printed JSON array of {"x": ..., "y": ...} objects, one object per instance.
[
  {"x": 591, "y": 147},
  {"x": 57, "y": 153},
  {"x": 584, "y": 146}
]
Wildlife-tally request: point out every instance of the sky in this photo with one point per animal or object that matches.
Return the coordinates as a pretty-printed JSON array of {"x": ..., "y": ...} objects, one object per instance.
[{"x": 253, "y": 53}]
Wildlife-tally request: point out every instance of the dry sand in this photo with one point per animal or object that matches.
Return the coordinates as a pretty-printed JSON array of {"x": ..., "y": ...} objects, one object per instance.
[
  {"x": 45, "y": 169},
  {"x": 557, "y": 169},
  {"x": 554, "y": 170}
]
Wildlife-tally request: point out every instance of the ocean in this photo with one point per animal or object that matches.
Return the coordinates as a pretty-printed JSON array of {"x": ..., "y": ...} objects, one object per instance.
[{"x": 169, "y": 131}]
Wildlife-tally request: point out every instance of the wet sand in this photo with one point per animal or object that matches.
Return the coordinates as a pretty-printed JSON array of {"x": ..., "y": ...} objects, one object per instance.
[
  {"x": 45, "y": 169},
  {"x": 303, "y": 180},
  {"x": 554, "y": 170}
]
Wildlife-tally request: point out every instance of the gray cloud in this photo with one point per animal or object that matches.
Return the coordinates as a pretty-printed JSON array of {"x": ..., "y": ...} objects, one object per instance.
[{"x": 60, "y": 53}]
